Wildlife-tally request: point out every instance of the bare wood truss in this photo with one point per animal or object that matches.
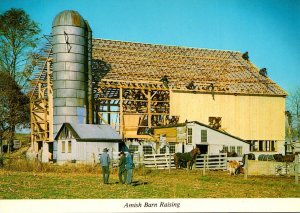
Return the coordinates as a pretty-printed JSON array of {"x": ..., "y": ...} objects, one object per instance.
[
  {"x": 41, "y": 100},
  {"x": 201, "y": 70}
]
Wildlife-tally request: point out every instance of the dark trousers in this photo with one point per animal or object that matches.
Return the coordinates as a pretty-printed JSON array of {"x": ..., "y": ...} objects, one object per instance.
[
  {"x": 122, "y": 175},
  {"x": 105, "y": 173}
]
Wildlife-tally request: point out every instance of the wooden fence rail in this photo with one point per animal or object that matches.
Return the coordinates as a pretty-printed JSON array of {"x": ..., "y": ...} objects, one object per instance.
[
  {"x": 212, "y": 162},
  {"x": 158, "y": 161},
  {"x": 161, "y": 161}
]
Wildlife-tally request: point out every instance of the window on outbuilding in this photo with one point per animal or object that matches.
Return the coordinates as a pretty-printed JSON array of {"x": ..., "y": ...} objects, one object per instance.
[
  {"x": 190, "y": 135},
  {"x": 163, "y": 150},
  {"x": 133, "y": 148},
  {"x": 147, "y": 149},
  {"x": 239, "y": 150},
  {"x": 203, "y": 135},
  {"x": 69, "y": 146},
  {"x": 232, "y": 148},
  {"x": 172, "y": 148},
  {"x": 63, "y": 146}
]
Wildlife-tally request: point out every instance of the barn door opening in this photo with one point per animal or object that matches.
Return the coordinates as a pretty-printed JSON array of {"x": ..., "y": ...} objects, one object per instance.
[{"x": 203, "y": 148}]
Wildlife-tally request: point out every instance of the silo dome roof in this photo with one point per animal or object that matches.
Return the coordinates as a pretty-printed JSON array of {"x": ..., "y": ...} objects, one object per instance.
[{"x": 69, "y": 17}]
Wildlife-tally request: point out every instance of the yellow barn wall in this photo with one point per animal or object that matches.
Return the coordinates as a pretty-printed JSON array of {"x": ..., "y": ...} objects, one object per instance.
[{"x": 247, "y": 117}]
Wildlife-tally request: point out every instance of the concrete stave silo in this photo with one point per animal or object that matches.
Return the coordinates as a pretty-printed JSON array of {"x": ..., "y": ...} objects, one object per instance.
[{"x": 71, "y": 34}]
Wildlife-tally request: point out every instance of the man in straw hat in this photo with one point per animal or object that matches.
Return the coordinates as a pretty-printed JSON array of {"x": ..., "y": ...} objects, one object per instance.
[{"x": 105, "y": 161}]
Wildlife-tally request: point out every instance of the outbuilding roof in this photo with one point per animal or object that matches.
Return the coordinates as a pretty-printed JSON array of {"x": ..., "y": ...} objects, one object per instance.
[
  {"x": 201, "y": 124},
  {"x": 218, "y": 71},
  {"x": 91, "y": 132}
]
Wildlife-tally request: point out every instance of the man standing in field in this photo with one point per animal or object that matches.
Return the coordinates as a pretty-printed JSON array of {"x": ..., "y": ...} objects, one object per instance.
[
  {"x": 105, "y": 161},
  {"x": 129, "y": 168},
  {"x": 122, "y": 171}
]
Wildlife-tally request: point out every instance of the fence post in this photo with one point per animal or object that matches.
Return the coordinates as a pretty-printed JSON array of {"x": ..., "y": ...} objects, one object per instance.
[
  {"x": 139, "y": 159},
  {"x": 194, "y": 164},
  {"x": 166, "y": 158},
  {"x": 155, "y": 161},
  {"x": 204, "y": 165},
  {"x": 296, "y": 168},
  {"x": 169, "y": 162},
  {"x": 246, "y": 168},
  {"x": 226, "y": 161}
]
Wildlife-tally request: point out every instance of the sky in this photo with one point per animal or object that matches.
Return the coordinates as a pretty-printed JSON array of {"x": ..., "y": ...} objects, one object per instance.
[{"x": 268, "y": 29}]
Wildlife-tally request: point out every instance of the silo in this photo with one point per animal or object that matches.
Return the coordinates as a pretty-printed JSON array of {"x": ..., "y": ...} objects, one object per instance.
[{"x": 70, "y": 68}]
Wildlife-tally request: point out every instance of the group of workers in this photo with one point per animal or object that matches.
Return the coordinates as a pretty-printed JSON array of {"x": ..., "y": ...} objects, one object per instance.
[{"x": 126, "y": 166}]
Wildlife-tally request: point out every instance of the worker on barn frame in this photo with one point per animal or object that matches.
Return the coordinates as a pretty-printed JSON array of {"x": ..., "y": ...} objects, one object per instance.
[{"x": 105, "y": 161}]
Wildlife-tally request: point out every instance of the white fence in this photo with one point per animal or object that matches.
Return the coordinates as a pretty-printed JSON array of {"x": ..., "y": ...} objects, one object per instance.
[
  {"x": 162, "y": 161},
  {"x": 159, "y": 161},
  {"x": 212, "y": 162}
]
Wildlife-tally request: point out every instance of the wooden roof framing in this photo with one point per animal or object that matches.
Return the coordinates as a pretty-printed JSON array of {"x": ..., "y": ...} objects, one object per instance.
[{"x": 131, "y": 65}]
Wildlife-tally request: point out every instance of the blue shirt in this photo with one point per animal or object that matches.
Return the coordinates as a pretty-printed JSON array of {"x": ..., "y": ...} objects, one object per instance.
[
  {"x": 129, "y": 162},
  {"x": 104, "y": 159}
]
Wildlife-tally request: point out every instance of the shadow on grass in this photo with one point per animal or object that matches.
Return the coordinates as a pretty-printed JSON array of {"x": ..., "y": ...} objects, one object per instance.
[
  {"x": 133, "y": 183},
  {"x": 137, "y": 183}
]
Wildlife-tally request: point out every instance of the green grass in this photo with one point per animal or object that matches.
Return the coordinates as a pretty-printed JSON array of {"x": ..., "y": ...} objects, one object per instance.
[{"x": 72, "y": 182}]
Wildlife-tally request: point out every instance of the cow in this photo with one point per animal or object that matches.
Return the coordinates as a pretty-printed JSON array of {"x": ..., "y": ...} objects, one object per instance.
[{"x": 235, "y": 167}]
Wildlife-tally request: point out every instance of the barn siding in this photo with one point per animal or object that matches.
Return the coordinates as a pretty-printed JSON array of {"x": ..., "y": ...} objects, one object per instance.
[
  {"x": 85, "y": 152},
  {"x": 80, "y": 151},
  {"x": 248, "y": 117}
]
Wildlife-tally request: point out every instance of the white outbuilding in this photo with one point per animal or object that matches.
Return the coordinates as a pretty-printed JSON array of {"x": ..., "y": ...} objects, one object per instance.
[
  {"x": 83, "y": 143},
  {"x": 186, "y": 136}
]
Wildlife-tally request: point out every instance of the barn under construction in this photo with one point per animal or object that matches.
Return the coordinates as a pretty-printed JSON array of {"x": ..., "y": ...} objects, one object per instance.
[{"x": 134, "y": 87}]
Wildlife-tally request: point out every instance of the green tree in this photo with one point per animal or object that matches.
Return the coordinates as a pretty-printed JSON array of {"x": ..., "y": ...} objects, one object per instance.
[
  {"x": 18, "y": 40},
  {"x": 14, "y": 107},
  {"x": 19, "y": 36}
]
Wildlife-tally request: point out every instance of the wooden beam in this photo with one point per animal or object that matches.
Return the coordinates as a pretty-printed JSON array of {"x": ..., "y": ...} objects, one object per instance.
[{"x": 104, "y": 120}]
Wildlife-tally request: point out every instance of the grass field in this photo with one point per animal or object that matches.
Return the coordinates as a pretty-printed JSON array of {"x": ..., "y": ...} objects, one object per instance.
[{"x": 28, "y": 180}]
